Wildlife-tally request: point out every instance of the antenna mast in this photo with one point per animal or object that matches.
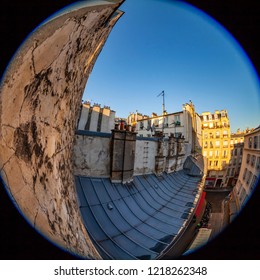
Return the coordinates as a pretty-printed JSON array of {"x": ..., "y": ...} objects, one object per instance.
[
  {"x": 163, "y": 105},
  {"x": 163, "y": 109}
]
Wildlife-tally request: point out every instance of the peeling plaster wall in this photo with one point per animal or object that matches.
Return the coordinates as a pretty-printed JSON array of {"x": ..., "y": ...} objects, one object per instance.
[
  {"x": 40, "y": 100},
  {"x": 92, "y": 156}
]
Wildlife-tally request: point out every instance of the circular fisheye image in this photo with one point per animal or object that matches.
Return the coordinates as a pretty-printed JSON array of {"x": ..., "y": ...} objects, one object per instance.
[{"x": 135, "y": 133}]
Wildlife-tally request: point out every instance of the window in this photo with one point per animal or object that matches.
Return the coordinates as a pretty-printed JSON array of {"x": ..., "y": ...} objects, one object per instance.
[
  {"x": 216, "y": 163},
  {"x": 242, "y": 195},
  {"x": 223, "y": 114},
  {"x": 205, "y": 135},
  {"x": 249, "y": 176},
  {"x": 241, "y": 151},
  {"x": 211, "y": 125},
  {"x": 217, "y": 153},
  {"x": 177, "y": 135},
  {"x": 255, "y": 142},
  {"x": 210, "y": 153},
  {"x": 244, "y": 174},
  {"x": 225, "y": 144},
  {"x": 232, "y": 172},
  {"x": 206, "y": 144},
  {"x": 216, "y": 116},
  {"x": 149, "y": 124},
  {"x": 217, "y": 144},
  {"x": 225, "y": 154},
  {"x": 239, "y": 187},
  {"x": 217, "y": 134},
  {"x": 250, "y": 140},
  {"x": 247, "y": 158},
  {"x": 205, "y": 118},
  {"x": 205, "y": 153},
  {"x": 258, "y": 163},
  {"x": 156, "y": 122},
  {"x": 253, "y": 182},
  {"x": 177, "y": 119},
  {"x": 211, "y": 144},
  {"x": 234, "y": 161},
  {"x": 165, "y": 122},
  {"x": 210, "y": 117},
  {"x": 225, "y": 134},
  {"x": 253, "y": 160},
  {"x": 228, "y": 171}
]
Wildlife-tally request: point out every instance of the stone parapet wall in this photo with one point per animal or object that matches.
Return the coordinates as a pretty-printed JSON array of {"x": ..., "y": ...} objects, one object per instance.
[
  {"x": 93, "y": 153},
  {"x": 40, "y": 97}
]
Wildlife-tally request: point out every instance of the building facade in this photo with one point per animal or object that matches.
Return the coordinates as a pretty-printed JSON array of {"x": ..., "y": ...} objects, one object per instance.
[
  {"x": 96, "y": 118},
  {"x": 185, "y": 124},
  {"x": 216, "y": 139},
  {"x": 236, "y": 153},
  {"x": 250, "y": 168}
]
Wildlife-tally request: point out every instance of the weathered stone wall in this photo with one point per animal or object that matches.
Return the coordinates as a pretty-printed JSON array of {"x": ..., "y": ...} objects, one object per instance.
[
  {"x": 91, "y": 155},
  {"x": 39, "y": 106}
]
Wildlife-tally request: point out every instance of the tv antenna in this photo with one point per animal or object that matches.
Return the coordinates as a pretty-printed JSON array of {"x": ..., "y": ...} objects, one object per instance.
[
  {"x": 163, "y": 105},
  {"x": 163, "y": 109}
]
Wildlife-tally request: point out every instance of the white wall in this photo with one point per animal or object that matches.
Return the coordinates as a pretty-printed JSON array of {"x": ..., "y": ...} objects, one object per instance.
[
  {"x": 145, "y": 157},
  {"x": 94, "y": 118},
  {"x": 83, "y": 117}
]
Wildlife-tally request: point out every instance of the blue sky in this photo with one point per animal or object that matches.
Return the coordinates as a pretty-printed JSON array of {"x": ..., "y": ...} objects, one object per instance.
[{"x": 172, "y": 46}]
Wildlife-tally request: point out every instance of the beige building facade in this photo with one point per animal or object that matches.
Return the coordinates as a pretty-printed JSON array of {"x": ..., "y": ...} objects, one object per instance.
[
  {"x": 250, "y": 168},
  {"x": 236, "y": 152},
  {"x": 216, "y": 139}
]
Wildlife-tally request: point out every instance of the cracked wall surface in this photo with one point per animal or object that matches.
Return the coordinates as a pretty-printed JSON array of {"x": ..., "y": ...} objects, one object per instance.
[{"x": 40, "y": 97}]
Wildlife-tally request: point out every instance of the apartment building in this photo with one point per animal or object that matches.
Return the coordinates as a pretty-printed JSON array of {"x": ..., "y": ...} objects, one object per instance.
[
  {"x": 216, "y": 139},
  {"x": 236, "y": 153},
  {"x": 185, "y": 124},
  {"x": 250, "y": 168}
]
